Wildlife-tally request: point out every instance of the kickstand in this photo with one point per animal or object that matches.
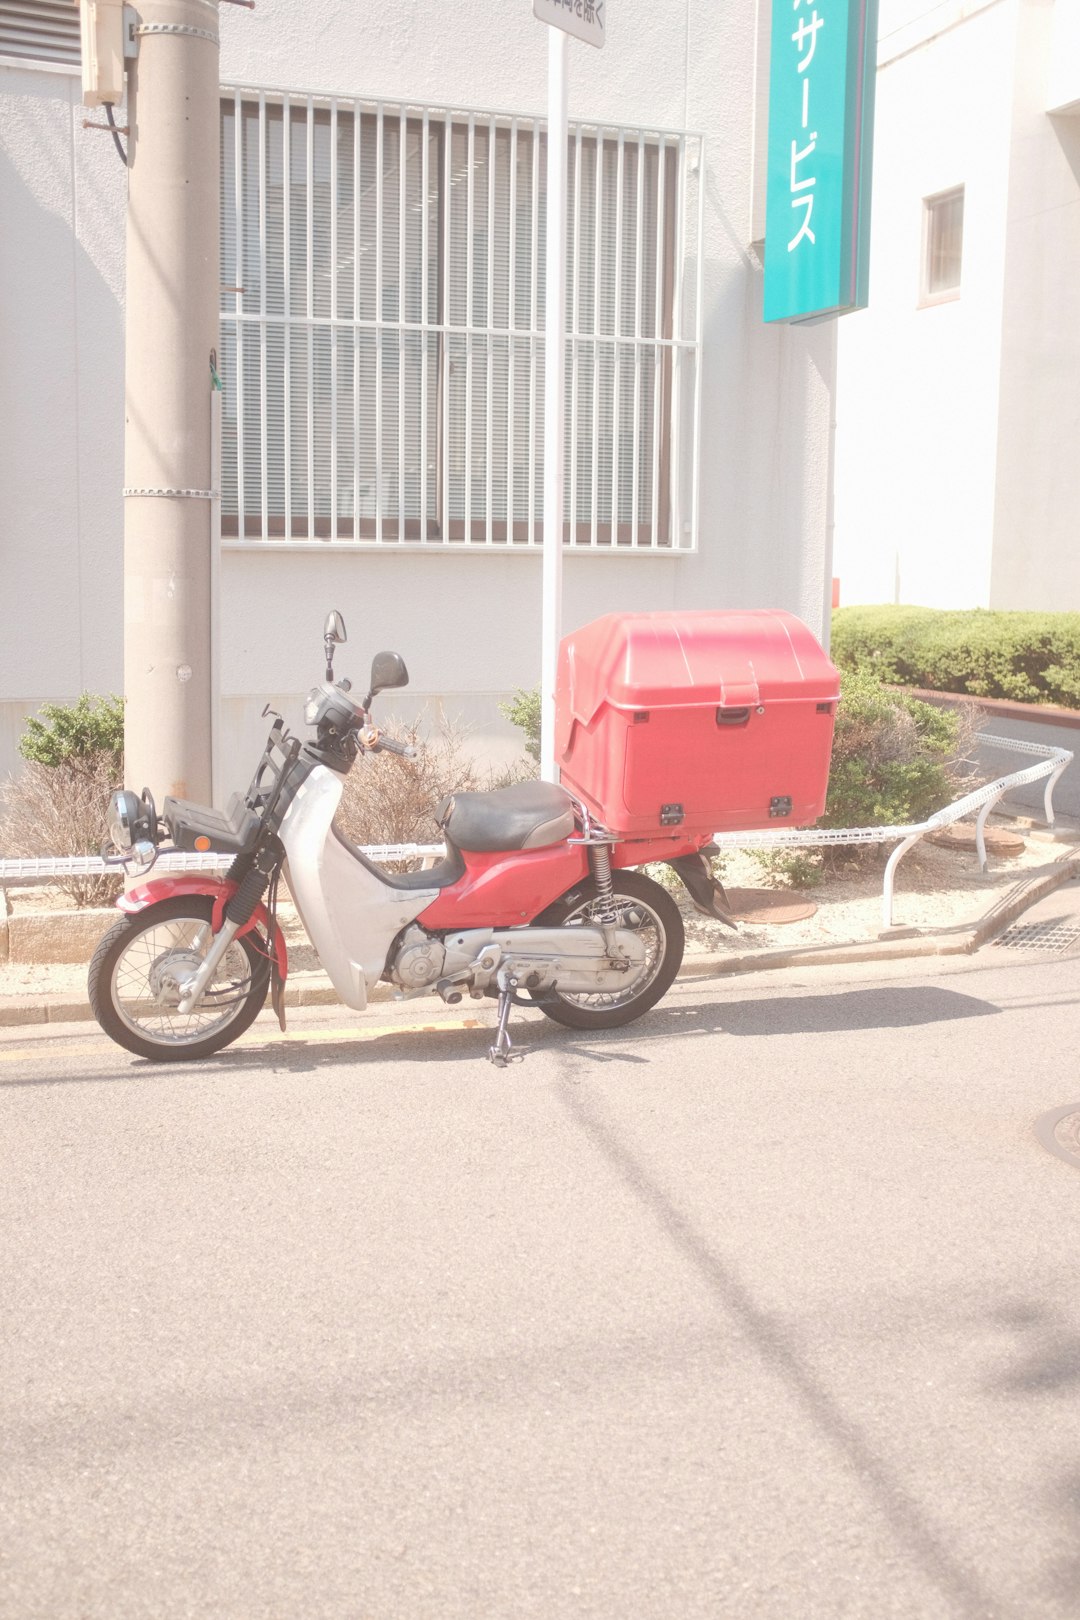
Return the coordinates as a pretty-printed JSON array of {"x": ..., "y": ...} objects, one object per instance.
[{"x": 500, "y": 1053}]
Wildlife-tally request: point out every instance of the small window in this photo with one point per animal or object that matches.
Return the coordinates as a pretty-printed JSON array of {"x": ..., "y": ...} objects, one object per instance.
[{"x": 943, "y": 243}]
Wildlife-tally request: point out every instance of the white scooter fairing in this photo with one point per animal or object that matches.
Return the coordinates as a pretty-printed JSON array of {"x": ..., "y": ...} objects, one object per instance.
[{"x": 353, "y": 917}]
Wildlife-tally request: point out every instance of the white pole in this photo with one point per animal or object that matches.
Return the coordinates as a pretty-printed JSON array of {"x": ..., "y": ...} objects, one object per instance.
[{"x": 554, "y": 403}]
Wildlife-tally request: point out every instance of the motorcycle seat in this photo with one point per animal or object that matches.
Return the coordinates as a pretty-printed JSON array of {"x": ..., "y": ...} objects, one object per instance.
[{"x": 529, "y": 815}]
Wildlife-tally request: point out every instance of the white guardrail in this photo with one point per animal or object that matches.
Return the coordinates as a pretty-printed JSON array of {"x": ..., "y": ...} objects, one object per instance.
[{"x": 1052, "y": 762}]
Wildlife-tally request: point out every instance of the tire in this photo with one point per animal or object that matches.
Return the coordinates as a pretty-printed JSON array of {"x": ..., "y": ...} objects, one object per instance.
[
  {"x": 130, "y": 989},
  {"x": 642, "y": 904}
]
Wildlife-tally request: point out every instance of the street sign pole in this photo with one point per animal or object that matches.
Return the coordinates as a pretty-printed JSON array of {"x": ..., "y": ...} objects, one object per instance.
[
  {"x": 554, "y": 392},
  {"x": 586, "y": 21}
]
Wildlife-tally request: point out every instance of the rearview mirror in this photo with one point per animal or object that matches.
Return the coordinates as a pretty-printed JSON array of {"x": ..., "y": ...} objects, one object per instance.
[
  {"x": 387, "y": 671},
  {"x": 333, "y": 635}
]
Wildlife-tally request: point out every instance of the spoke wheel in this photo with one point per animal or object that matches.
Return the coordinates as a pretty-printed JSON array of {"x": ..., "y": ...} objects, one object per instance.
[
  {"x": 650, "y": 911},
  {"x": 141, "y": 968}
]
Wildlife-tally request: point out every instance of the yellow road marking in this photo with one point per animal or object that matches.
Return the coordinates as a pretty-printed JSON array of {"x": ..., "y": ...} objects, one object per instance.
[{"x": 45, "y": 1053}]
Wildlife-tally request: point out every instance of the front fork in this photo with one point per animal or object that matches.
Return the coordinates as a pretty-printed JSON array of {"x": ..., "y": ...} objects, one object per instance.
[
  {"x": 238, "y": 913},
  {"x": 221, "y": 942}
]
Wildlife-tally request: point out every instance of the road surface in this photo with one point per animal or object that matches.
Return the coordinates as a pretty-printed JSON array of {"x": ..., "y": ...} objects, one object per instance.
[{"x": 764, "y": 1307}]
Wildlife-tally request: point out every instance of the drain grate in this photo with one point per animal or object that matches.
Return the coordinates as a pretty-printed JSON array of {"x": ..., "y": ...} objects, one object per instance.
[{"x": 1047, "y": 936}]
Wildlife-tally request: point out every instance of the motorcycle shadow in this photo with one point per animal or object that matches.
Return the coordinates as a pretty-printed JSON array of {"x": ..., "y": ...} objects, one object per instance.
[
  {"x": 308, "y": 1051},
  {"x": 311, "y": 1051}
]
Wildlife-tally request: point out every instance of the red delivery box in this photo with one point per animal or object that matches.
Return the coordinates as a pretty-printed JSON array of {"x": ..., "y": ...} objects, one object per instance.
[{"x": 706, "y": 722}]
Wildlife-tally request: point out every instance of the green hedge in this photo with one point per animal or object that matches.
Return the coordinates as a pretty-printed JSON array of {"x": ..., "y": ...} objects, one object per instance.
[{"x": 1028, "y": 657}]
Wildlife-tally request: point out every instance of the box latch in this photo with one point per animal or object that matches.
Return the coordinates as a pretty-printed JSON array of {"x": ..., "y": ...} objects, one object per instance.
[
  {"x": 733, "y": 716},
  {"x": 672, "y": 814},
  {"x": 780, "y": 806}
]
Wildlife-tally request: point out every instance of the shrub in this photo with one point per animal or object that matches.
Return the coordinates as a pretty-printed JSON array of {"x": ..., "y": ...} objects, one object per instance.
[
  {"x": 894, "y": 758},
  {"x": 88, "y": 732},
  {"x": 1026, "y": 657},
  {"x": 794, "y": 868},
  {"x": 75, "y": 759},
  {"x": 524, "y": 711}
]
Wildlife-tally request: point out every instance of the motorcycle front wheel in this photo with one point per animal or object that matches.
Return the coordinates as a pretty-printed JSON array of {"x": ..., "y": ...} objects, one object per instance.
[
  {"x": 139, "y": 970},
  {"x": 650, "y": 911}
]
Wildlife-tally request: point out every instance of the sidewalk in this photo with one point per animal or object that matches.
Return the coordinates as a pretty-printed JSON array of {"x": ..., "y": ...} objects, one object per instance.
[{"x": 944, "y": 907}]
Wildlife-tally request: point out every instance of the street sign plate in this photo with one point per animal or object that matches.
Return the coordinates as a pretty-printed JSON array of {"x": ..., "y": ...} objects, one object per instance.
[
  {"x": 585, "y": 19},
  {"x": 821, "y": 121}
]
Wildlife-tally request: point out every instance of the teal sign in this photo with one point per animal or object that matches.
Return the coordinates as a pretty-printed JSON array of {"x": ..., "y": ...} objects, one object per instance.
[{"x": 821, "y": 122}]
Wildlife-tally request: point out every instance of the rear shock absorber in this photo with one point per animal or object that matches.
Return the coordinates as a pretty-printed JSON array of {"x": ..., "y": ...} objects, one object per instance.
[{"x": 604, "y": 908}]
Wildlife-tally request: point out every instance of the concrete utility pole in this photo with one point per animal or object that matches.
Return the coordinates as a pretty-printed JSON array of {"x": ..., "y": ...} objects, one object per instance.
[{"x": 173, "y": 301}]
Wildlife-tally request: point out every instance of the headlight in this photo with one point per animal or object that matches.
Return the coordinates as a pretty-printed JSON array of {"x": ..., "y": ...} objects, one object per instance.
[
  {"x": 124, "y": 809},
  {"x": 314, "y": 703}
]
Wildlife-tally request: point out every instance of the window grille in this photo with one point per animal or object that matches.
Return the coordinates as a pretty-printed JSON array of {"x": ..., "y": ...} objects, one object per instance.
[
  {"x": 40, "y": 30},
  {"x": 382, "y": 328}
]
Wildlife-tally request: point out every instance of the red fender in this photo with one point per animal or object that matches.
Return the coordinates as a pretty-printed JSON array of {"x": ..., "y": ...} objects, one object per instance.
[{"x": 220, "y": 890}]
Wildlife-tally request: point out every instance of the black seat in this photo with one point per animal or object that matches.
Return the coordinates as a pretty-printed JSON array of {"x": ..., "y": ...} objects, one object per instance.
[{"x": 529, "y": 815}]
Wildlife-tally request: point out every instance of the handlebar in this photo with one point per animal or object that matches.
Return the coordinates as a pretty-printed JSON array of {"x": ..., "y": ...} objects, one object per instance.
[
  {"x": 372, "y": 739},
  {"x": 405, "y": 751}
]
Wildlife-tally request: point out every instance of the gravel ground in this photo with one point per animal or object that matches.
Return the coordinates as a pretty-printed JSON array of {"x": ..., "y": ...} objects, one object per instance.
[{"x": 935, "y": 889}]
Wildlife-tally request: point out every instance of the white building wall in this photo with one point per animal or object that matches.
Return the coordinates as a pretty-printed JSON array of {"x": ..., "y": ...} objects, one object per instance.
[
  {"x": 917, "y": 397},
  {"x": 62, "y": 196},
  {"x": 468, "y": 625},
  {"x": 1036, "y": 560}
]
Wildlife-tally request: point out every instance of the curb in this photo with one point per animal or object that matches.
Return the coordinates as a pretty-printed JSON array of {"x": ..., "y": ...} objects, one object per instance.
[{"x": 315, "y": 990}]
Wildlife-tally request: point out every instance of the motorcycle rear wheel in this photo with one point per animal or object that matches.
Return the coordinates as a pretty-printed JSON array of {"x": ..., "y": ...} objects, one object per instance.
[
  {"x": 647, "y": 908},
  {"x": 136, "y": 972}
]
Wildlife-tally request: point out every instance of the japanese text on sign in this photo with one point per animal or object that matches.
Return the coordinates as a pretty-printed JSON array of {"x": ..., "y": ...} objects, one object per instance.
[
  {"x": 806, "y": 181},
  {"x": 582, "y": 18},
  {"x": 821, "y": 91}
]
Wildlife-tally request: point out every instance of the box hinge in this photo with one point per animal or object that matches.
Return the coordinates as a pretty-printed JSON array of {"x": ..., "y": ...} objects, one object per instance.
[
  {"x": 781, "y": 805},
  {"x": 671, "y": 815}
]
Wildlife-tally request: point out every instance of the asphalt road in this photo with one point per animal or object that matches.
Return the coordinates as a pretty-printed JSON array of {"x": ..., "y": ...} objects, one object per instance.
[
  {"x": 1029, "y": 800},
  {"x": 765, "y": 1307}
]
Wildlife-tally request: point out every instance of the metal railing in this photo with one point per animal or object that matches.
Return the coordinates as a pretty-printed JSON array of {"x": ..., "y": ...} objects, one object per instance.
[{"x": 1052, "y": 762}]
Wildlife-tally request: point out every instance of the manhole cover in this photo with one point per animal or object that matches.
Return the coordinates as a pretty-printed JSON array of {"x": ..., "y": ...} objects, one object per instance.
[
  {"x": 1060, "y": 1133},
  {"x": 768, "y": 906},
  {"x": 1045, "y": 936},
  {"x": 961, "y": 835}
]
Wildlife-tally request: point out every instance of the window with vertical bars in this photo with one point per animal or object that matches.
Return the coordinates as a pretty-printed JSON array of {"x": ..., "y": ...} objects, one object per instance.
[{"x": 382, "y": 328}]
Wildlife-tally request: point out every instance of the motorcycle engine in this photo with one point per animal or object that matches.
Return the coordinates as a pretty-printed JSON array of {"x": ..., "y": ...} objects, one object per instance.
[{"x": 419, "y": 960}]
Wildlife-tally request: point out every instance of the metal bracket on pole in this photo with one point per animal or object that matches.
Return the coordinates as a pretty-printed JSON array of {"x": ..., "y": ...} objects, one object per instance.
[
  {"x": 184, "y": 494},
  {"x": 176, "y": 28}
]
